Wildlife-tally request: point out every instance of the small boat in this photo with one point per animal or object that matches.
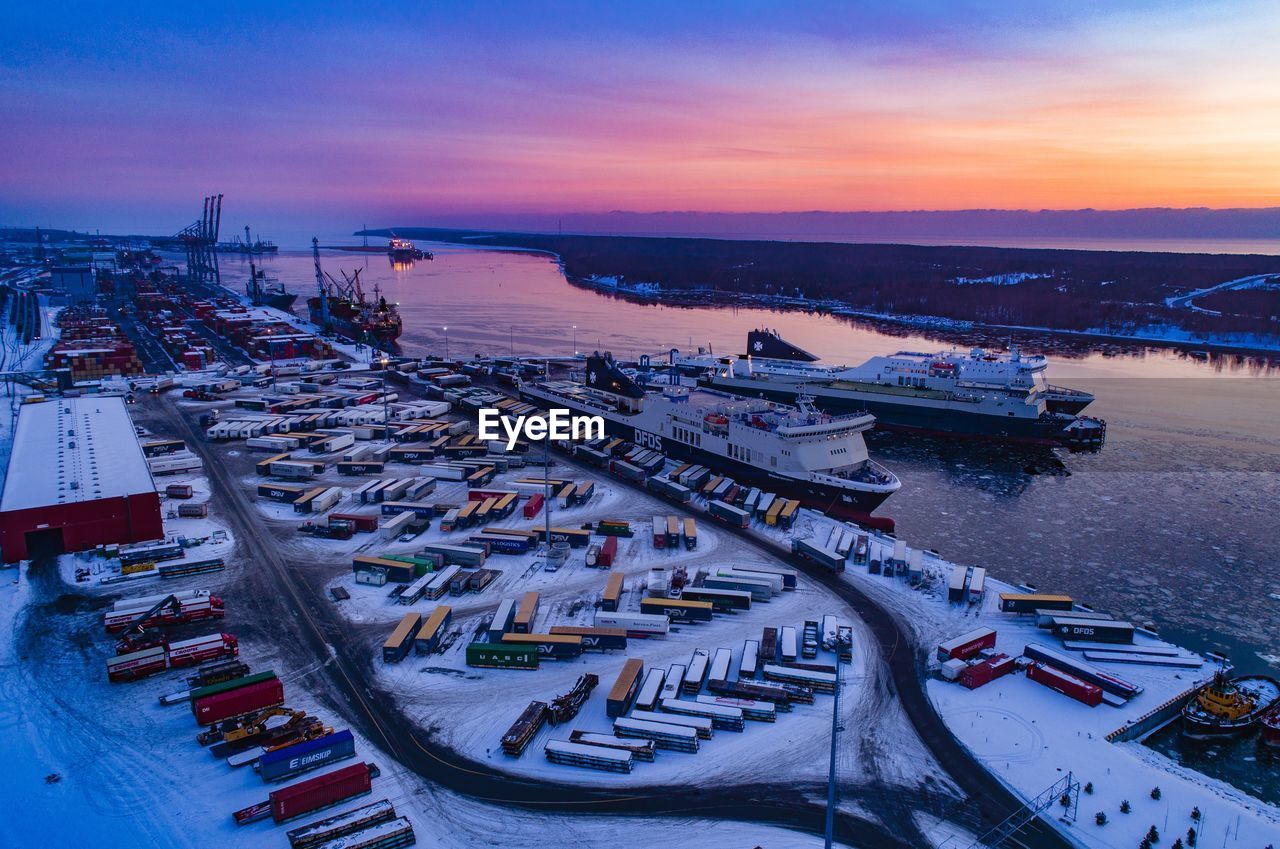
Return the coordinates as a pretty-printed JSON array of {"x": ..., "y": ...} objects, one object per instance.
[{"x": 1227, "y": 706}]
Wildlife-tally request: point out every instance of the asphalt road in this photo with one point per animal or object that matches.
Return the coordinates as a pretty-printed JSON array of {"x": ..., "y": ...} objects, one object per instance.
[{"x": 300, "y": 615}]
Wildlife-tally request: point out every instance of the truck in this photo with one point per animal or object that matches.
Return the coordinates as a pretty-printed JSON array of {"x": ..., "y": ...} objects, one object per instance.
[
  {"x": 821, "y": 555},
  {"x": 401, "y": 639},
  {"x": 690, "y": 534},
  {"x": 134, "y": 665},
  {"x": 1068, "y": 685},
  {"x": 730, "y": 515},
  {"x": 179, "y": 611}
]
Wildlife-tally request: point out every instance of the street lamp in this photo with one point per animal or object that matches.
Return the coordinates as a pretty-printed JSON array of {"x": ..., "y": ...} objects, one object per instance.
[
  {"x": 575, "y": 340},
  {"x": 446, "y": 342}
]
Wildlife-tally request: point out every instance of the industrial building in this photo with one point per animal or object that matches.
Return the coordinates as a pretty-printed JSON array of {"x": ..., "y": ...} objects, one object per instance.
[
  {"x": 79, "y": 282},
  {"x": 77, "y": 479}
]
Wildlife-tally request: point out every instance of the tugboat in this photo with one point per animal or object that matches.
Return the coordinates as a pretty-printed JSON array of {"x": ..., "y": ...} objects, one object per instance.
[{"x": 1227, "y": 706}]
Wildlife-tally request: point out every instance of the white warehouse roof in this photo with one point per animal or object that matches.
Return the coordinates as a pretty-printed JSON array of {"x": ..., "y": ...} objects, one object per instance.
[{"x": 69, "y": 450}]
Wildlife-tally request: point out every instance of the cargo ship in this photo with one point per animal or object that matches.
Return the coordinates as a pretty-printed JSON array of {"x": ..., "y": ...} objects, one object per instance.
[
  {"x": 819, "y": 459},
  {"x": 342, "y": 308},
  {"x": 1227, "y": 705},
  {"x": 264, "y": 294},
  {"x": 979, "y": 394}
]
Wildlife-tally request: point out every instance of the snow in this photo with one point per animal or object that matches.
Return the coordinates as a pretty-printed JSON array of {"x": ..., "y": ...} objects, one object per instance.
[
  {"x": 72, "y": 450},
  {"x": 1011, "y": 279},
  {"x": 1030, "y": 736}
]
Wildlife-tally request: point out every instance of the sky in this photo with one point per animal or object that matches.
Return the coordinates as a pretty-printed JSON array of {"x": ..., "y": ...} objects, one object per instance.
[{"x": 123, "y": 116}]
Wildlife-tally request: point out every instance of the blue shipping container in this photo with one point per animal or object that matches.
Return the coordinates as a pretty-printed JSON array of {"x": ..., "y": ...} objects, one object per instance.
[{"x": 285, "y": 763}]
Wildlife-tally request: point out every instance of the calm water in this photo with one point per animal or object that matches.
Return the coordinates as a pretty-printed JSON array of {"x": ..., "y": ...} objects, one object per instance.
[{"x": 1175, "y": 522}]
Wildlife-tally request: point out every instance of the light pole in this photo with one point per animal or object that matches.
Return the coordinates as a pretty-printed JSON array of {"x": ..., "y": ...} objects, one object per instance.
[
  {"x": 511, "y": 337},
  {"x": 575, "y": 340},
  {"x": 446, "y": 342}
]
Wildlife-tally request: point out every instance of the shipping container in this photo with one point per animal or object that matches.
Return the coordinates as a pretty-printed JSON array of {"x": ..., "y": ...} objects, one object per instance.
[
  {"x": 612, "y": 592},
  {"x": 976, "y": 675},
  {"x": 672, "y": 682},
  {"x": 760, "y": 711},
  {"x": 502, "y": 656},
  {"x": 526, "y": 613},
  {"x": 769, "y": 645},
  {"x": 750, "y": 660},
  {"x": 729, "y": 514},
  {"x": 588, "y": 756},
  {"x": 576, "y": 537},
  {"x": 719, "y": 669},
  {"x": 1095, "y": 630},
  {"x": 967, "y": 645},
  {"x": 821, "y": 555},
  {"x": 977, "y": 584},
  {"x": 758, "y": 589},
  {"x": 427, "y": 639},
  {"x": 722, "y": 601},
  {"x": 650, "y": 690},
  {"x": 789, "y": 644},
  {"x": 695, "y": 672},
  {"x": 292, "y": 761},
  {"x": 361, "y": 522},
  {"x": 956, "y": 586},
  {"x": 635, "y": 624},
  {"x": 624, "y": 688},
  {"x": 1069, "y": 685},
  {"x": 595, "y": 639},
  {"x": 226, "y": 704},
  {"x": 1109, "y": 683},
  {"x": 1029, "y": 603},
  {"x": 548, "y": 646},
  {"x": 322, "y": 791},
  {"x": 397, "y": 645},
  {"x": 677, "y": 610}
]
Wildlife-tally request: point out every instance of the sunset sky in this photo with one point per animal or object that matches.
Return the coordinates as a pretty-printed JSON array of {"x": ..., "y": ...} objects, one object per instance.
[{"x": 413, "y": 113}]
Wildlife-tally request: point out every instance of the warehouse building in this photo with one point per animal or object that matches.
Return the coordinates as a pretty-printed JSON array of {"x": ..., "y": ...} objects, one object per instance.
[{"x": 77, "y": 479}]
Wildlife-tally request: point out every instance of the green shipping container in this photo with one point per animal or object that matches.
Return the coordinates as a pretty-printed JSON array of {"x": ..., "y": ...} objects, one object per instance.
[
  {"x": 233, "y": 684},
  {"x": 502, "y": 657},
  {"x": 421, "y": 565}
]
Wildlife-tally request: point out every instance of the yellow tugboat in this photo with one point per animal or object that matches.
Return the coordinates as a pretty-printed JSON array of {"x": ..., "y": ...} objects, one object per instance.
[{"x": 1229, "y": 705}]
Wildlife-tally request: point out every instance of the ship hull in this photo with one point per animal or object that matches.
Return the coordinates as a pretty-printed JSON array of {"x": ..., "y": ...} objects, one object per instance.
[
  {"x": 345, "y": 327},
  {"x": 840, "y": 502},
  {"x": 1271, "y": 731},
  {"x": 938, "y": 419}
]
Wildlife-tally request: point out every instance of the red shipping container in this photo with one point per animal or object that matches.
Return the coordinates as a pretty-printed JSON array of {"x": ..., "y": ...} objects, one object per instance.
[
  {"x": 1068, "y": 685},
  {"x": 219, "y": 706},
  {"x": 533, "y": 506},
  {"x": 302, "y": 798},
  {"x": 608, "y": 552},
  {"x": 363, "y": 522},
  {"x": 987, "y": 671},
  {"x": 967, "y": 645}
]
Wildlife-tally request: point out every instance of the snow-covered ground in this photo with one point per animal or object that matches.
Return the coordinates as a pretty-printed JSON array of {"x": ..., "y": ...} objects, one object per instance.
[
  {"x": 1031, "y": 736},
  {"x": 438, "y": 691}
]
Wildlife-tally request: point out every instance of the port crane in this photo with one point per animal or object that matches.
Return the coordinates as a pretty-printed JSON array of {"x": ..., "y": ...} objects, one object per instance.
[{"x": 200, "y": 238}]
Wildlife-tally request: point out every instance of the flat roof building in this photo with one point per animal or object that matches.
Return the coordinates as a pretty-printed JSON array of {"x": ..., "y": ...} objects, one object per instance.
[{"x": 77, "y": 479}]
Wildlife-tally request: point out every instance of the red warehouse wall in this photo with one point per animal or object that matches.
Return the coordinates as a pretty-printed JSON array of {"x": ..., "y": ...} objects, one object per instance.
[{"x": 131, "y": 518}]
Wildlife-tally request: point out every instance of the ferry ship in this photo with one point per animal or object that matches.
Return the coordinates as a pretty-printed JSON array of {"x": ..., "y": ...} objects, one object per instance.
[
  {"x": 818, "y": 459},
  {"x": 1227, "y": 705},
  {"x": 976, "y": 395}
]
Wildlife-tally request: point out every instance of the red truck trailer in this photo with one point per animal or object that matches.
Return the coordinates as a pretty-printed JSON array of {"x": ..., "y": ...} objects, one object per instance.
[
  {"x": 215, "y": 708},
  {"x": 187, "y": 610},
  {"x": 311, "y": 795},
  {"x": 608, "y": 551},
  {"x": 1068, "y": 685},
  {"x": 533, "y": 506},
  {"x": 134, "y": 665}
]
